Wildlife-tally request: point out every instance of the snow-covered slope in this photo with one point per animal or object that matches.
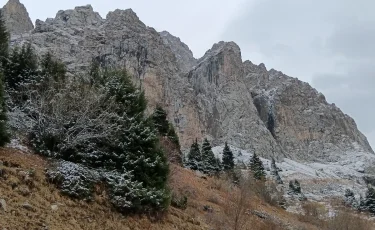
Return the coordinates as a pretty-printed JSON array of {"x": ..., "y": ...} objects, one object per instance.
[{"x": 319, "y": 180}]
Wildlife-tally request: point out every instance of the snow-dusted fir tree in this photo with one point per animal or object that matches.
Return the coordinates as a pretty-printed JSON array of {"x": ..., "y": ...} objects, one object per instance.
[
  {"x": 21, "y": 67},
  {"x": 194, "y": 158},
  {"x": 256, "y": 166},
  {"x": 102, "y": 126},
  {"x": 51, "y": 67},
  {"x": 349, "y": 198},
  {"x": 228, "y": 159},
  {"x": 369, "y": 201},
  {"x": 4, "y": 41},
  {"x": 295, "y": 190},
  {"x": 209, "y": 163},
  {"x": 4, "y": 135},
  {"x": 275, "y": 171}
]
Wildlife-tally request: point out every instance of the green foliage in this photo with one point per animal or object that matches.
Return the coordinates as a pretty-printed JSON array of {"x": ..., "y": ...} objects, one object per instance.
[
  {"x": 130, "y": 100},
  {"x": 256, "y": 166},
  {"x": 94, "y": 71},
  {"x": 209, "y": 162},
  {"x": 369, "y": 202},
  {"x": 160, "y": 120},
  {"x": 172, "y": 135},
  {"x": 275, "y": 172},
  {"x": 295, "y": 187},
  {"x": 4, "y": 135},
  {"x": 22, "y": 65},
  {"x": 103, "y": 126},
  {"x": 52, "y": 68},
  {"x": 228, "y": 159},
  {"x": 4, "y": 41},
  {"x": 194, "y": 160}
]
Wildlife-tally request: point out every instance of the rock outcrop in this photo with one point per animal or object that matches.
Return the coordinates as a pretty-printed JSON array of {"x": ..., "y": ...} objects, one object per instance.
[
  {"x": 224, "y": 103},
  {"x": 16, "y": 17},
  {"x": 301, "y": 120},
  {"x": 217, "y": 96},
  {"x": 182, "y": 52}
]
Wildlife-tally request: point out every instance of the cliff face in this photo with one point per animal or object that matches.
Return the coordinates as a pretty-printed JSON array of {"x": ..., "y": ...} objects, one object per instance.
[
  {"x": 218, "y": 96},
  {"x": 183, "y": 54},
  {"x": 302, "y": 121},
  {"x": 224, "y": 103},
  {"x": 16, "y": 17}
]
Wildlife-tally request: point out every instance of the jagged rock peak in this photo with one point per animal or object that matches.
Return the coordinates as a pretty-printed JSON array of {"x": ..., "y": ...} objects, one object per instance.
[
  {"x": 128, "y": 17},
  {"x": 222, "y": 47},
  {"x": 182, "y": 52},
  {"x": 16, "y": 17},
  {"x": 80, "y": 16}
]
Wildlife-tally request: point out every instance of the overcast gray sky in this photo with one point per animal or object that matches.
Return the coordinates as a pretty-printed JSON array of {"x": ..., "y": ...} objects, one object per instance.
[{"x": 329, "y": 44}]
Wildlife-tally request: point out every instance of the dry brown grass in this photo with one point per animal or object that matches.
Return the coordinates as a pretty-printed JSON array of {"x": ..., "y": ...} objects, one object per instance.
[
  {"x": 23, "y": 181},
  {"x": 71, "y": 214}
]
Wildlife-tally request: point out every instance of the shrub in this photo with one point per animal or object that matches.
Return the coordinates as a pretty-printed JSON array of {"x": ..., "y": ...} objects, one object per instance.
[{"x": 179, "y": 201}]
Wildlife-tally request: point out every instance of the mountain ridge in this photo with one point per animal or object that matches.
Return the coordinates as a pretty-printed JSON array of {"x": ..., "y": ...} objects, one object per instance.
[{"x": 218, "y": 96}]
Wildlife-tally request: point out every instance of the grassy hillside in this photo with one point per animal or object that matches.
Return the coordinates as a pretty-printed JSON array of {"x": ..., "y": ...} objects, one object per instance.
[{"x": 32, "y": 203}]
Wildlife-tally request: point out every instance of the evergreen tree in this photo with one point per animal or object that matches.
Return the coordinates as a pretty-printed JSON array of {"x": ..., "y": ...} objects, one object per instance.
[
  {"x": 131, "y": 100},
  {"x": 210, "y": 165},
  {"x": 4, "y": 135},
  {"x": 160, "y": 120},
  {"x": 349, "y": 197},
  {"x": 22, "y": 66},
  {"x": 4, "y": 44},
  {"x": 52, "y": 68},
  {"x": 228, "y": 159},
  {"x": 362, "y": 203},
  {"x": 4, "y": 41},
  {"x": 172, "y": 135},
  {"x": 194, "y": 160},
  {"x": 275, "y": 171},
  {"x": 256, "y": 166},
  {"x": 113, "y": 136},
  {"x": 295, "y": 190},
  {"x": 370, "y": 200}
]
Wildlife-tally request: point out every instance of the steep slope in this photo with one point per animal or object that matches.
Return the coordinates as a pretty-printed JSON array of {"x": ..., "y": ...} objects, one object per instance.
[
  {"x": 16, "y": 17},
  {"x": 28, "y": 201},
  {"x": 182, "y": 52},
  {"x": 302, "y": 121}
]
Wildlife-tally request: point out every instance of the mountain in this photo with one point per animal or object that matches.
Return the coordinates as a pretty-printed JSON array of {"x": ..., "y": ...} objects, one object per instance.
[
  {"x": 16, "y": 17},
  {"x": 182, "y": 52},
  {"x": 218, "y": 96}
]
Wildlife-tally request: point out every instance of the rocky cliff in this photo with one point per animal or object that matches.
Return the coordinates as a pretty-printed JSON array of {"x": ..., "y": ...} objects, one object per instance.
[
  {"x": 183, "y": 54},
  {"x": 218, "y": 96},
  {"x": 299, "y": 117},
  {"x": 16, "y": 17}
]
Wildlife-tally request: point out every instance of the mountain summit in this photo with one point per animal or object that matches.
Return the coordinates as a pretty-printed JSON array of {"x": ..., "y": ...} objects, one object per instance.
[{"x": 16, "y": 17}]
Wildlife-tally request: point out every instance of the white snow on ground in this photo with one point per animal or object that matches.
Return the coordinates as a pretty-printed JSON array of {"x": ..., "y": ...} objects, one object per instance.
[
  {"x": 320, "y": 181},
  {"x": 16, "y": 144}
]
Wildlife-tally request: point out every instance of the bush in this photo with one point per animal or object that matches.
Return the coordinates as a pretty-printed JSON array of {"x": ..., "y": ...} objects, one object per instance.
[
  {"x": 179, "y": 201},
  {"x": 73, "y": 179}
]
